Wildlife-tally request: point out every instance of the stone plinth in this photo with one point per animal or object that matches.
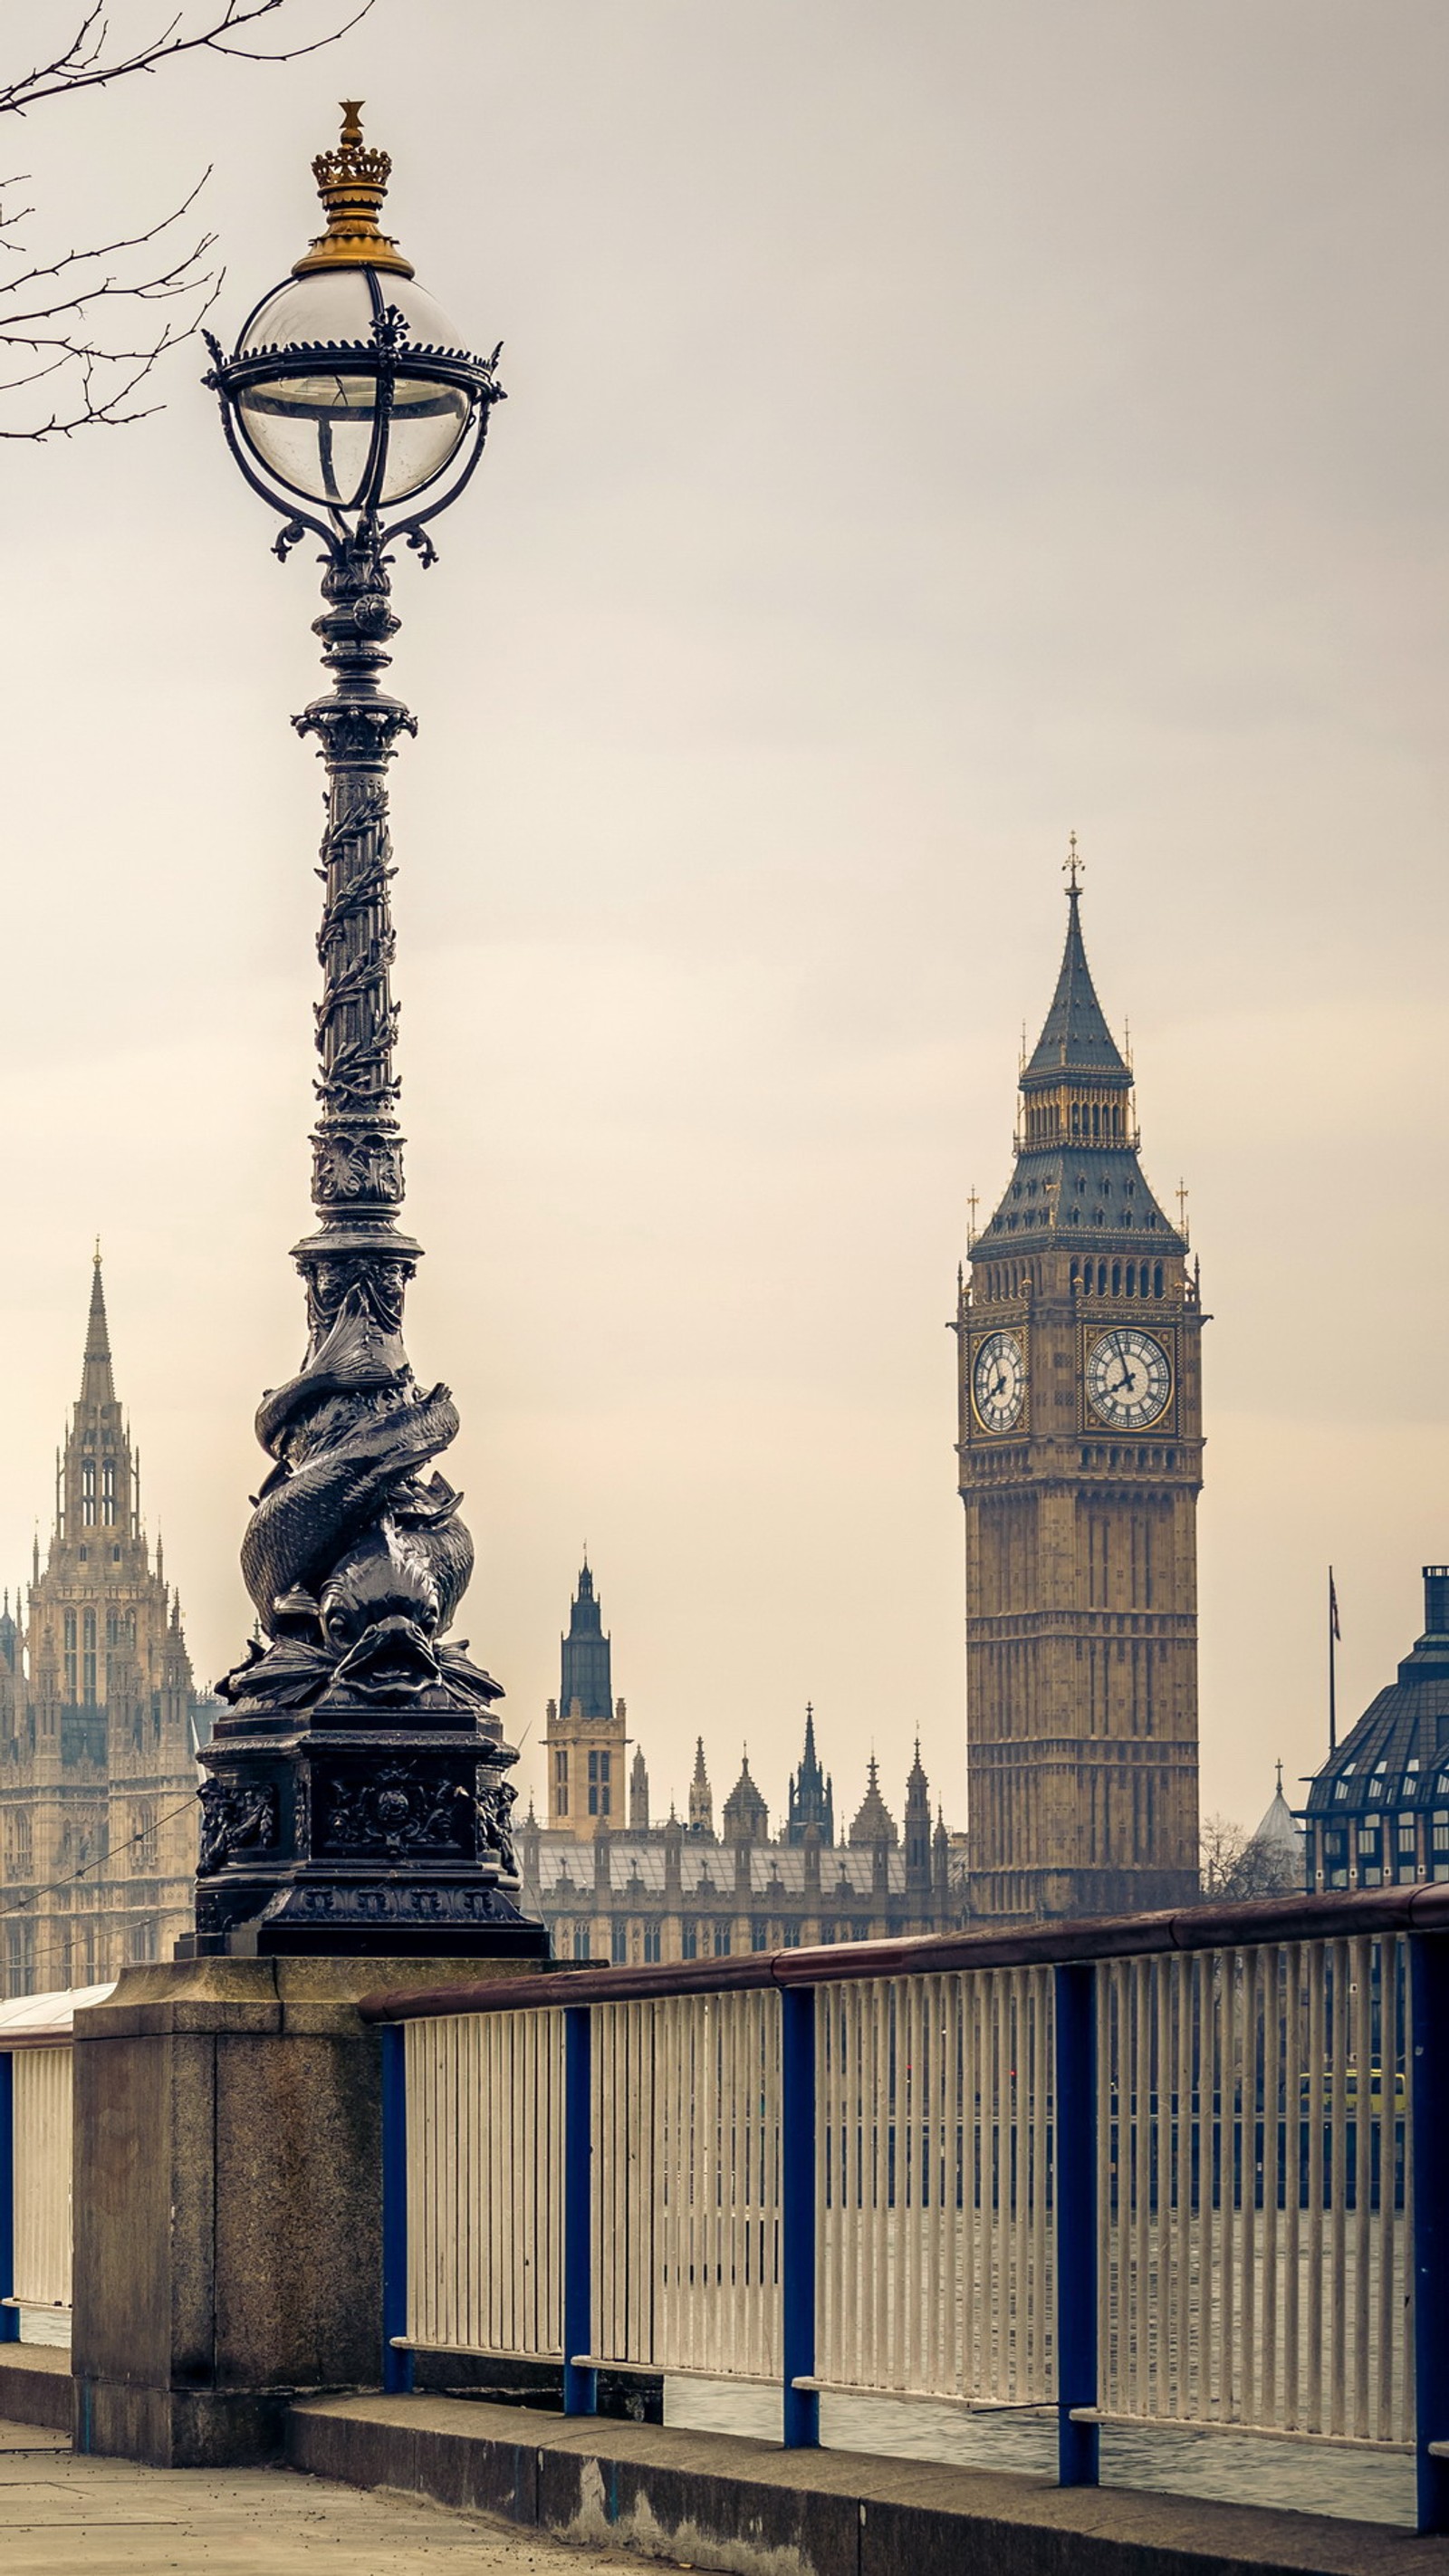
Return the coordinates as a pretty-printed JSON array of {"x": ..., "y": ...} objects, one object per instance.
[{"x": 228, "y": 2243}]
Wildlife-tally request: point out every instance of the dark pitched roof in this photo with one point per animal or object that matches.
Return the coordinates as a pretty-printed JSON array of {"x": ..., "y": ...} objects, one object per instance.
[
  {"x": 1075, "y": 1036},
  {"x": 1092, "y": 1196}
]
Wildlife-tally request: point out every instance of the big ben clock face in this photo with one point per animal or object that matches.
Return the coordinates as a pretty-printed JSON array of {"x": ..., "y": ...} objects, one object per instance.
[
  {"x": 998, "y": 1381},
  {"x": 1129, "y": 1378}
]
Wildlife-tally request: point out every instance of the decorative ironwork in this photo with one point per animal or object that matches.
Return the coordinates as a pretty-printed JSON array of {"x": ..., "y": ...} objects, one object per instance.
[{"x": 355, "y": 1556}]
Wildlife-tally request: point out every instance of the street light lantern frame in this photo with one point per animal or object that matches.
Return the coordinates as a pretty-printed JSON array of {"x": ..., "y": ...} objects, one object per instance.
[
  {"x": 357, "y": 1797},
  {"x": 378, "y": 360}
]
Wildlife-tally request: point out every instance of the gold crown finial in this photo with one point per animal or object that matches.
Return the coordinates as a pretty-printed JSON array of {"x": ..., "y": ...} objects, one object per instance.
[
  {"x": 1073, "y": 865},
  {"x": 352, "y": 183}
]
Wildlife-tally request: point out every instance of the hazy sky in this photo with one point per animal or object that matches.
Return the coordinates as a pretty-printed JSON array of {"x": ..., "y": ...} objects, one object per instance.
[{"x": 931, "y": 428}]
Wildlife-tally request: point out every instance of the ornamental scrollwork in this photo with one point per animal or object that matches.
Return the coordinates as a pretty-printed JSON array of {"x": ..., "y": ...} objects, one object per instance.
[{"x": 236, "y": 1815}]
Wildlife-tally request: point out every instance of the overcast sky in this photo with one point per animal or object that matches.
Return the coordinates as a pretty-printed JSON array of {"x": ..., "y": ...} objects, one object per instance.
[{"x": 931, "y": 429}]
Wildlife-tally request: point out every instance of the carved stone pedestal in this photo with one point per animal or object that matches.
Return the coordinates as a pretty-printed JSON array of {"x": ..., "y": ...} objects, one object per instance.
[
  {"x": 348, "y": 1830},
  {"x": 227, "y": 2195}
]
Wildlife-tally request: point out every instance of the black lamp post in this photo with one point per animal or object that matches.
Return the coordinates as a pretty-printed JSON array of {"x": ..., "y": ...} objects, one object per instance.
[{"x": 357, "y": 1797}]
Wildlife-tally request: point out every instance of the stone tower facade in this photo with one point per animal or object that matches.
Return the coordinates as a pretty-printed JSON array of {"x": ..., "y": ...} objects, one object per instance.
[
  {"x": 1080, "y": 1446},
  {"x": 585, "y": 1736},
  {"x": 99, "y": 1722}
]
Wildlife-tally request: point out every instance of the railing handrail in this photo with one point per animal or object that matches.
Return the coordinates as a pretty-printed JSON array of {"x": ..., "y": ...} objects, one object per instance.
[{"x": 1421, "y": 1908}]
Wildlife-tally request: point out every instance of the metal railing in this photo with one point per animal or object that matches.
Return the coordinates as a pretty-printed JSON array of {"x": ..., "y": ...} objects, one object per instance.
[
  {"x": 35, "y": 2154},
  {"x": 1151, "y": 2171}
]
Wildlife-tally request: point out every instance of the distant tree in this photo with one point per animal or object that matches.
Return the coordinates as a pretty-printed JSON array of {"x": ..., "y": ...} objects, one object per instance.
[
  {"x": 1235, "y": 1867},
  {"x": 82, "y": 329}
]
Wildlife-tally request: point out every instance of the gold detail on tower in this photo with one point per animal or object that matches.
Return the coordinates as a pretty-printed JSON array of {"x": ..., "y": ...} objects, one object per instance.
[{"x": 352, "y": 183}]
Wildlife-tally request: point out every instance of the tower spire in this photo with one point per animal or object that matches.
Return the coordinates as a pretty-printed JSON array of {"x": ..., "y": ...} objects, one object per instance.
[
  {"x": 1075, "y": 1037},
  {"x": 97, "y": 1385}
]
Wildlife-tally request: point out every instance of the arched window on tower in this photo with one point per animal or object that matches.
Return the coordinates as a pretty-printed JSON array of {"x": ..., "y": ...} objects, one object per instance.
[
  {"x": 71, "y": 1670},
  {"x": 1157, "y": 1279},
  {"x": 88, "y": 1657},
  {"x": 108, "y": 1489},
  {"x": 88, "y": 1492}
]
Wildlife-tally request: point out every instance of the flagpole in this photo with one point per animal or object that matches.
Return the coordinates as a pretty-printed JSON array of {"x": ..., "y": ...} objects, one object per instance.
[{"x": 1332, "y": 1665}]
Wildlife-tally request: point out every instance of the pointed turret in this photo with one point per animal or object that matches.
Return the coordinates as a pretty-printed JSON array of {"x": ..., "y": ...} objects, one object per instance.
[
  {"x": 1075, "y": 1037},
  {"x": 638, "y": 1794},
  {"x": 701, "y": 1798},
  {"x": 812, "y": 1798},
  {"x": 97, "y": 1384},
  {"x": 746, "y": 1818},
  {"x": 874, "y": 1822},
  {"x": 918, "y": 1825},
  {"x": 585, "y": 1741},
  {"x": 1078, "y": 1177},
  {"x": 586, "y": 1684}
]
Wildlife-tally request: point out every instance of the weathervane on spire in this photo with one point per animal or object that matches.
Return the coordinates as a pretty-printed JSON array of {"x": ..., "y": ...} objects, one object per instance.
[{"x": 1073, "y": 866}]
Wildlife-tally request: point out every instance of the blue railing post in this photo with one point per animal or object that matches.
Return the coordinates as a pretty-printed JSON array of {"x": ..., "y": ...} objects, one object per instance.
[
  {"x": 580, "y": 2386},
  {"x": 1429, "y": 2112},
  {"x": 397, "y": 2363},
  {"x": 9, "y": 2317},
  {"x": 801, "y": 2410},
  {"x": 1075, "y": 2148}
]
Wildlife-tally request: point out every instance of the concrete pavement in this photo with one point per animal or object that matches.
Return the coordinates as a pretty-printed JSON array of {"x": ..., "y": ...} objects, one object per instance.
[{"x": 62, "y": 2516}]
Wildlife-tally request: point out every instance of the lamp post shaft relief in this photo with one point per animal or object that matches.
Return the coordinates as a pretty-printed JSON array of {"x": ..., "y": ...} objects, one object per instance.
[{"x": 357, "y": 1798}]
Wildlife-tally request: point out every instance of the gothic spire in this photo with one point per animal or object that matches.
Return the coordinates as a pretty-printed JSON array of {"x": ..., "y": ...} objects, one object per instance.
[
  {"x": 701, "y": 1799},
  {"x": 811, "y": 1799},
  {"x": 586, "y": 1662},
  {"x": 97, "y": 1385},
  {"x": 1075, "y": 1037}
]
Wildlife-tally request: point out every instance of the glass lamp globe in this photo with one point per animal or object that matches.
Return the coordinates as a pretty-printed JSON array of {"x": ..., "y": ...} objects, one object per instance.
[
  {"x": 312, "y": 425},
  {"x": 311, "y": 418}
]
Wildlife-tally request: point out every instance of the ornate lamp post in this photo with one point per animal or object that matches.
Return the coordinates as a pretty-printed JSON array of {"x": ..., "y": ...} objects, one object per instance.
[{"x": 357, "y": 1797}]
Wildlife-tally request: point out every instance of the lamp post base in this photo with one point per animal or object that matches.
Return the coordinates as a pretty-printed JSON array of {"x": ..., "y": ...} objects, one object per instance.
[{"x": 519, "y": 1938}]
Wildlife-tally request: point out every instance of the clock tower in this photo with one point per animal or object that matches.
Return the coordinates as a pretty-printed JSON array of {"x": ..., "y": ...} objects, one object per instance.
[{"x": 1078, "y": 1336}]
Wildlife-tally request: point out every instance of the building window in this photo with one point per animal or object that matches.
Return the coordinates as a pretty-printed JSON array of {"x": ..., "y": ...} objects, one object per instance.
[
  {"x": 598, "y": 1784},
  {"x": 792, "y": 1936},
  {"x": 860, "y": 1931},
  {"x": 108, "y": 1489},
  {"x": 721, "y": 1940},
  {"x": 1406, "y": 1833},
  {"x": 88, "y": 1492},
  {"x": 17, "y": 1843},
  {"x": 88, "y": 1658},
  {"x": 689, "y": 1940},
  {"x": 561, "y": 1782},
  {"x": 581, "y": 1941},
  {"x": 143, "y": 1837},
  {"x": 71, "y": 1667},
  {"x": 619, "y": 1944},
  {"x": 759, "y": 1934},
  {"x": 1441, "y": 1829},
  {"x": 652, "y": 1950}
]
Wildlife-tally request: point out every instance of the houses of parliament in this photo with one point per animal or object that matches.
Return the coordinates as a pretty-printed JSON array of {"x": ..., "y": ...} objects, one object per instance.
[
  {"x": 99, "y": 1720},
  {"x": 1079, "y": 1447}
]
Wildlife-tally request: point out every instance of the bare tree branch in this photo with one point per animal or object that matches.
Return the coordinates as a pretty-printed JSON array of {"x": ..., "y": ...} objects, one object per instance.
[
  {"x": 84, "y": 62},
  {"x": 58, "y": 313}
]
